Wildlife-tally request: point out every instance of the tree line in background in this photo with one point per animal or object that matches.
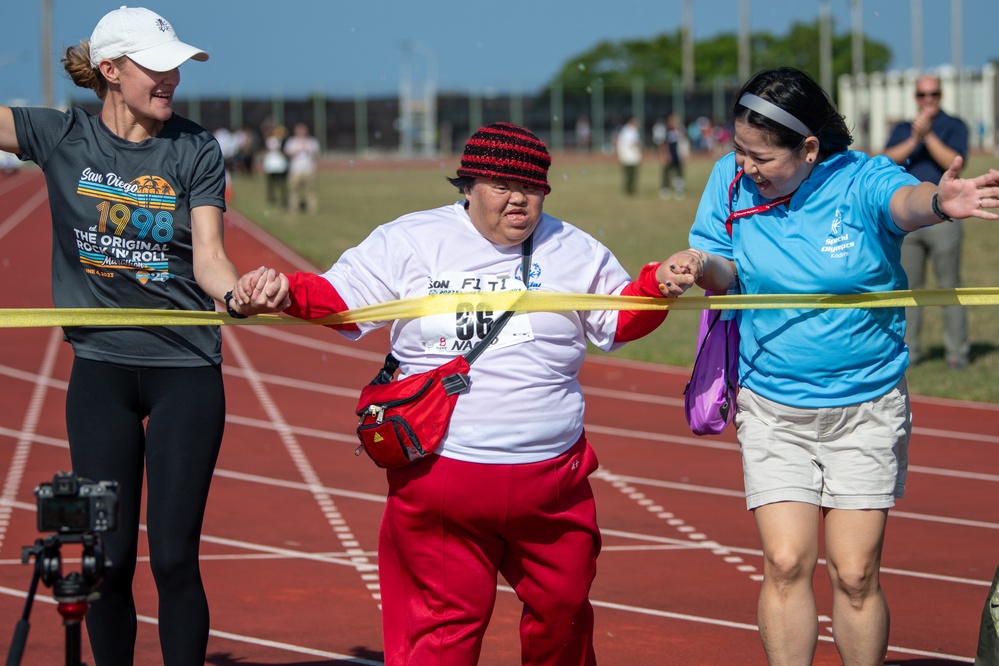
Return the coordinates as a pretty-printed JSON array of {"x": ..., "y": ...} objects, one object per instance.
[{"x": 660, "y": 59}]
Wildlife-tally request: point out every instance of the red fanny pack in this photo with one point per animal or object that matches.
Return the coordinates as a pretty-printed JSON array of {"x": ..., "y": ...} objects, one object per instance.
[
  {"x": 406, "y": 420},
  {"x": 403, "y": 421}
]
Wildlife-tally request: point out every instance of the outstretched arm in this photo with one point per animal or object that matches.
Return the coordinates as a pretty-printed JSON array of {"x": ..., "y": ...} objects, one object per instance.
[
  {"x": 634, "y": 324},
  {"x": 312, "y": 296},
  {"x": 216, "y": 275},
  {"x": 957, "y": 198}
]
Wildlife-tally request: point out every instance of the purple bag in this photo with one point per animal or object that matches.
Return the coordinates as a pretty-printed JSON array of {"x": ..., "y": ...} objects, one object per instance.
[{"x": 709, "y": 398}]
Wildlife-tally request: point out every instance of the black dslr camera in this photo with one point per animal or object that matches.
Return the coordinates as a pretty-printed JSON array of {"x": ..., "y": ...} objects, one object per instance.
[
  {"x": 77, "y": 510},
  {"x": 73, "y": 505}
]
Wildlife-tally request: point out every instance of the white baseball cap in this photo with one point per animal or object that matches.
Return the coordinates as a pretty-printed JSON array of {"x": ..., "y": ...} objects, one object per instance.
[{"x": 144, "y": 36}]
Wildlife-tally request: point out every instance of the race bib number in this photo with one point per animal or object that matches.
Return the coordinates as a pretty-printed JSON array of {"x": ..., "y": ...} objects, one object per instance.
[{"x": 458, "y": 332}]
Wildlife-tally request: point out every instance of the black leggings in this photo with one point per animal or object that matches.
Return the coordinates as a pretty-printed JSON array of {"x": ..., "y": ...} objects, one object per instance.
[{"x": 106, "y": 405}]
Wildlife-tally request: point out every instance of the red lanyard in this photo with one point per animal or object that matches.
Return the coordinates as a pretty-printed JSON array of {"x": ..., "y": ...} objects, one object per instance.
[{"x": 737, "y": 214}]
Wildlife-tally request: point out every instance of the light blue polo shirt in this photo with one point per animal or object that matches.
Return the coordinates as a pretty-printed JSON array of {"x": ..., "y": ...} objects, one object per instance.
[{"x": 836, "y": 236}]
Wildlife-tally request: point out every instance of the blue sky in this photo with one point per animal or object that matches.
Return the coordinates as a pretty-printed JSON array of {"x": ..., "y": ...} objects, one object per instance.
[{"x": 342, "y": 48}]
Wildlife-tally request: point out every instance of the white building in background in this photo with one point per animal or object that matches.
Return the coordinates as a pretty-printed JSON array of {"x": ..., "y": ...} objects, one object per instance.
[{"x": 873, "y": 103}]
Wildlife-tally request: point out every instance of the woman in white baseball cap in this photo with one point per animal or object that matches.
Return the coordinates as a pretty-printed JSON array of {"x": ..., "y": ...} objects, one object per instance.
[
  {"x": 137, "y": 196},
  {"x": 144, "y": 36}
]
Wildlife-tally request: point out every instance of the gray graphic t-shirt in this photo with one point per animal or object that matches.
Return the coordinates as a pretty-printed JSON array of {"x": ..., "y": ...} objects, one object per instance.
[{"x": 121, "y": 227}]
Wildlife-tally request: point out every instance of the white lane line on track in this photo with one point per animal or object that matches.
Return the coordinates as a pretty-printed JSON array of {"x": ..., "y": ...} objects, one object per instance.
[
  {"x": 22, "y": 213},
  {"x": 676, "y": 544},
  {"x": 57, "y": 442},
  {"x": 295, "y": 485},
  {"x": 632, "y": 396},
  {"x": 707, "y": 443},
  {"x": 19, "y": 458},
  {"x": 306, "y": 432},
  {"x": 19, "y": 179},
  {"x": 687, "y": 487},
  {"x": 628, "y": 396},
  {"x": 300, "y": 384},
  {"x": 954, "y": 434},
  {"x": 32, "y": 377},
  {"x": 226, "y": 635},
  {"x": 650, "y": 541},
  {"x": 679, "y": 524},
  {"x": 341, "y": 349},
  {"x": 683, "y": 617},
  {"x": 352, "y": 393},
  {"x": 733, "y": 493},
  {"x": 361, "y": 561},
  {"x": 749, "y": 627},
  {"x": 268, "y": 241}
]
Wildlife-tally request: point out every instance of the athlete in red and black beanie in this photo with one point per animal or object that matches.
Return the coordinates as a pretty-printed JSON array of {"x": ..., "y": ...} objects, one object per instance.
[{"x": 502, "y": 151}]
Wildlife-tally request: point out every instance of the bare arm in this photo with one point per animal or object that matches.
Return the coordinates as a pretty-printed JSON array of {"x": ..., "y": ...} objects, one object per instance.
[
  {"x": 260, "y": 290},
  {"x": 958, "y": 198},
  {"x": 8, "y": 137}
]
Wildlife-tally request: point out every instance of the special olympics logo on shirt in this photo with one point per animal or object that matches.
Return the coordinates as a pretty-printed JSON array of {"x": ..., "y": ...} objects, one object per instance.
[
  {"x": 837, "y": 223},
  {"x": 534, "y": 278}
]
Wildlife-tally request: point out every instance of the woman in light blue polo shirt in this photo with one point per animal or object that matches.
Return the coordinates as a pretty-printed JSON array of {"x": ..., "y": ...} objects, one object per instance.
[{"x": 823, "y": 416}]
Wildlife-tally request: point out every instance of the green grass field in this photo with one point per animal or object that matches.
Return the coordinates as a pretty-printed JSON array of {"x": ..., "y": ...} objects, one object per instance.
[{"x": 355, "y": 197}]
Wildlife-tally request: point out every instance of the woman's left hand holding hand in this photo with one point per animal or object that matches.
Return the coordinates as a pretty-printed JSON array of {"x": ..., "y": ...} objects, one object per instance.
[
  {"x": 262, "y": 290},
  {"x": 680, "y": 271}
]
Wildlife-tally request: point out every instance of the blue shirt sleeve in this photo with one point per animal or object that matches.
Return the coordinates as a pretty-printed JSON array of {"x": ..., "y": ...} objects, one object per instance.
[{"x": 708, "y": 233}]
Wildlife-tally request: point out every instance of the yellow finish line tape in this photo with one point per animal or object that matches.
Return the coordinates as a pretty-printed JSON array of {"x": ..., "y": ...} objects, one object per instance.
[{"x": 519, "y": 301}]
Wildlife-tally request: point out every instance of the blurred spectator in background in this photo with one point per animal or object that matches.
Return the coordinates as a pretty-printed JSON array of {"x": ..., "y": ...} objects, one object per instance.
[
  {"x": 926, "y": 146},
  {"x": 246, "y": 145},
  {"x": 659, "y": 140},
  {"x": 228, "y": 142},
  {"x": 671, "y": 144},
  {"x": 275, "y": 167},
  {"x": 302, "y": 150},
  {"x": 709, "y": 141},
  {"x": 584, "y": 134},
  {"x": 629, "y": 154}
]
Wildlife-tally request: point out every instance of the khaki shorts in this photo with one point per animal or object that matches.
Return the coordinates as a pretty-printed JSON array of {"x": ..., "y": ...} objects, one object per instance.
[{"x": 852, "y": 457}]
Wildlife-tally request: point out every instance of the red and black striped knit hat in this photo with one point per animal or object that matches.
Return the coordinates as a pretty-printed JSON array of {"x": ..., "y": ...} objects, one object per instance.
[{"x": 502, "y": 151}]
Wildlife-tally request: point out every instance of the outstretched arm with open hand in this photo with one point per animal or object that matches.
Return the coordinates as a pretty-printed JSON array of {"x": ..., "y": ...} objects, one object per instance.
[{"x": 956, "y": 198}]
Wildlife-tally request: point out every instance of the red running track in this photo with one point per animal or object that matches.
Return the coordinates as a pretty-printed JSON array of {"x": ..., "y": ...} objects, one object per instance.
[{"x": 289, "y": 540}]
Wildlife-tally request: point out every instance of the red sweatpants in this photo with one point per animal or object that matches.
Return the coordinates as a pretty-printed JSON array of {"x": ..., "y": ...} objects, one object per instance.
[{"x": 450, "y": 526}]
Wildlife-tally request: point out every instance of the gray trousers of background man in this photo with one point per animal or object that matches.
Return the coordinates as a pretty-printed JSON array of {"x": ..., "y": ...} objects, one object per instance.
[{"x": 940, "y": 245}]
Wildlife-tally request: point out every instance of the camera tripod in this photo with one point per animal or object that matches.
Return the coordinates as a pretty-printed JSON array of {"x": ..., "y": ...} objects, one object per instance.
[{"x": 71, "y": 592}]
